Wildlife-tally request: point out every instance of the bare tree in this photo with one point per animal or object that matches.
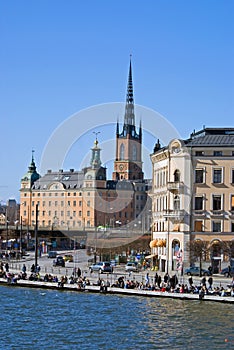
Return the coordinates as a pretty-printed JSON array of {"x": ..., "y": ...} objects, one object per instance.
[{"x": 198, "y": 250}]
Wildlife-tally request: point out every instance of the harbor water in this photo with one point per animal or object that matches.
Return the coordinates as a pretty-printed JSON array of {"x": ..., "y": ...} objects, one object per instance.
[{"x": 50, "y": 319}]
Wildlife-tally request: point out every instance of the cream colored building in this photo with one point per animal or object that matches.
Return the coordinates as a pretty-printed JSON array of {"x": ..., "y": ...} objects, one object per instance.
[{"x": 193, "y": 198}]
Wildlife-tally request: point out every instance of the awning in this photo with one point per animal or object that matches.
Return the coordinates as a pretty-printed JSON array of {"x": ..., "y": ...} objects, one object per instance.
[{"x": 150, "y": 256}]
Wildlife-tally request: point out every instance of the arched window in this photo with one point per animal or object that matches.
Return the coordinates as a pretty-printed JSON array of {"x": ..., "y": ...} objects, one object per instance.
[
  {"x": 176, "y": 203},
  {"x": 177, "y": 175},
  {"x": 134, "y": 152},
  {"x": 122, "y": 152}
]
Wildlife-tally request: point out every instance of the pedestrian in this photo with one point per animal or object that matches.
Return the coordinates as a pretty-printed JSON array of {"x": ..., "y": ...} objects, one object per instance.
[
  {"x": 24, "y": 268},
  {"x": 7, "y": 267},
  {"x": 159, "y": 281},
  {"x": 190, "y": 280},
  {"x": 33, "y": 268},
  {"x": 78, "y": 272},
  {"x": 156, "y": 279},
  {"x": 147, "y": 279},
  {"x": 210, "y": 281},
  {"x": 203, "y": 281}
]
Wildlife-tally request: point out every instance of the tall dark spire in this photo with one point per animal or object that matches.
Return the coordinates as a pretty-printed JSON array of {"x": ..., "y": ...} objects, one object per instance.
[
  {"x": 129, "y": 97},
  {"x": 129, "y": 117}
]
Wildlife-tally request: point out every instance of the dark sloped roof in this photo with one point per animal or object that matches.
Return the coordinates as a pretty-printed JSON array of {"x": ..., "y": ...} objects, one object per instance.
[
  {"x": 211, "y": 140},
  {"x": 69, "y": 179}
]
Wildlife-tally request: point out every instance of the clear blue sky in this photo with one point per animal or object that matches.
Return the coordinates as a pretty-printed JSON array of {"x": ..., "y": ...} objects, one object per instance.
[{"x": 58, "y": 57}]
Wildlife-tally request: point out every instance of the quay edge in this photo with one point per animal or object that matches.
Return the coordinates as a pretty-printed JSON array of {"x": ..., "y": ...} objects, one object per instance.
[{"x": 113, "y": 290}]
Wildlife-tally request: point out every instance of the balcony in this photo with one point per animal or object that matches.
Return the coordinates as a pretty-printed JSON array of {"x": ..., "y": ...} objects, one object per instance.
[
  {"x": 217, "y": 213},
  {"x": 199, "y": 213},
  {"x": 174, "y": 214},
  {"x": 174, "y": 186}
]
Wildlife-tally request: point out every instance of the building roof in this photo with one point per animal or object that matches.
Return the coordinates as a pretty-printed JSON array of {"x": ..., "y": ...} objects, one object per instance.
[
  {"x": 69, "y": 179},
  {"x": 209, "y": 137}
]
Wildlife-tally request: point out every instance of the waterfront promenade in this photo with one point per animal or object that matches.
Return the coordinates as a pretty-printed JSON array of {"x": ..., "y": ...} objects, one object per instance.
[{"x": 118, "y": 282}]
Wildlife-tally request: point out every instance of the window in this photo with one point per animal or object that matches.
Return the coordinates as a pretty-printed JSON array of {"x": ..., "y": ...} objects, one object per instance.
[
  {"x": 88, "y": 203},
  {"x": 43, "y": 213},
  {"x": 49, "y": 203},
  {"x": 121, "y": 152},
  {"x": 74, "y": 194},
  {"x": 199, "y": 176},
  {"x": 25, "y": 213},
  {"x": 88, "y": 213},
  {"x": 80, "y": 203},
  {"x": 62, "y": 213},
  {"x": 69, "y": 194},
  {"x": 199, "y": 203},
  {"x": 232, "y": 176},
  {"x": 198, "y": 226},
  {"x": 216, "y": 202},
  {"x": 177, "y": 176},
  {"x": 232, "y": 202},
  {"x": 62, "y": 203},
  {"x": 176, "y": 203},
  {"x": 68, "y": 203},
  {"x": 74, "y": 213},
  {"x": 43, "y": 203},
  {"x": 56, "y": 203},
  {"x": 216, "y": 226},
  {"x": 33, "y": 203},
  {"x": 232, "y": 226},
  {"x": 218, "y": 153},
  {"x": 68, "y": 213},
  {"x": 80, "y": 213},
  {"x": 74, "y": 203},
  {"x": 199, "y": 153},
  {"x": 217, "y": 176}
]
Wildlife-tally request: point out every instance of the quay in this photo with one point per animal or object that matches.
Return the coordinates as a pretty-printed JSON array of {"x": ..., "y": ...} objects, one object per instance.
[{"x": 114, "y": 290}]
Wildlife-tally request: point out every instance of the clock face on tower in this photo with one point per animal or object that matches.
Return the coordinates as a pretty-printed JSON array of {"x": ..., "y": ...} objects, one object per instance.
[{"x": 121, "y": 167}]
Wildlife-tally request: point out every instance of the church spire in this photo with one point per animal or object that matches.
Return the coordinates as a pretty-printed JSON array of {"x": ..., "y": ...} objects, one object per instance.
[
  {"x": 129, "y": 97},
  {"x": 129, "y": 117}
]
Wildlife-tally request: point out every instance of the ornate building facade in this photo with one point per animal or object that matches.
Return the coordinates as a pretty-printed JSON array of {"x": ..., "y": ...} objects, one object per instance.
[{"x": 193, "y": 199}]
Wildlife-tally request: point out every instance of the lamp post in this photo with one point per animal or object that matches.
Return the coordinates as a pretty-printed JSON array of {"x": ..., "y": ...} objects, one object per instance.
[
  {"x": 36, "y": 240},
  {"x": 21, "y": 235}
]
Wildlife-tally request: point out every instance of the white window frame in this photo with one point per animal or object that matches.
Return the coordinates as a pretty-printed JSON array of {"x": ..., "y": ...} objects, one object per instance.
[
  {"x": 216, "y": 194},
  {"x": 204, "y": 175},
  {"x": 222, "y": 174}
]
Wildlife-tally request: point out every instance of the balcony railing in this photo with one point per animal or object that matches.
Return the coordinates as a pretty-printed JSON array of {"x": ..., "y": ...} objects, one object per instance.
[
  {"x": 174, "y": 214},
  {"x": 174, "y": 186},
  {"x": 217, "y": 212}
]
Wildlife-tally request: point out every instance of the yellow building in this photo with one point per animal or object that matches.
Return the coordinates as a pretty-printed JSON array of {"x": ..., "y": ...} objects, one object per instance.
[{"x": 193, "y": 199}]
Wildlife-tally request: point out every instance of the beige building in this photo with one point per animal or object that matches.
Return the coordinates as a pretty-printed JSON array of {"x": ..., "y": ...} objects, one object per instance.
[
  {"x": 86, "y": 199},
  {"x": 193, "y": 199}
]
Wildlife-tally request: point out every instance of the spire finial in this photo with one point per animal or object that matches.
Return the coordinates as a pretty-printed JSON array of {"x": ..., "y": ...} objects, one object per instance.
[
  {"x": 96, "y": 134},
  {"x": 33, "y": 151}
]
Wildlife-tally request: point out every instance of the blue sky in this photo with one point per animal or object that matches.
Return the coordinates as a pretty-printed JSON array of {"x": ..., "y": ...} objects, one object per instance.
[{"x": 59, "y": 57}]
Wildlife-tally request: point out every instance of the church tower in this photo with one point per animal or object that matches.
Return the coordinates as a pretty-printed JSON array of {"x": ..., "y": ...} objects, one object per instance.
[{"x": 128, "y": 162}]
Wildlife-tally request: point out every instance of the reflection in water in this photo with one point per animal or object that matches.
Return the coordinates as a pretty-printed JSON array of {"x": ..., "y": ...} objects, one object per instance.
[{"x": 35, "y": 319}]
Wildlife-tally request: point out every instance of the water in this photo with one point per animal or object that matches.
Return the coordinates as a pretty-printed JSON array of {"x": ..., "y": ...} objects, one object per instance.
[{"x": 48, "y": 319}]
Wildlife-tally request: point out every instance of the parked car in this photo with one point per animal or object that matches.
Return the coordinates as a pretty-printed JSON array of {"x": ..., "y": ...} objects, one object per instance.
[
  {"x": 131, "y": 266},
  {"x": 68, "y": 257},
  {"x": 195, "y": 271},
  {"x": 52, "y": 254},
  {"x": 228, "y": 272},
  {"x": 101, "y": 267},
  {"x": 82, "y": 244},
  {"x": 59, "y": 261}
]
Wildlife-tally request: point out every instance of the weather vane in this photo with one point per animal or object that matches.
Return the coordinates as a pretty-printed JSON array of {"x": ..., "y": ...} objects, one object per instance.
[{"x": 96, "y": 134}]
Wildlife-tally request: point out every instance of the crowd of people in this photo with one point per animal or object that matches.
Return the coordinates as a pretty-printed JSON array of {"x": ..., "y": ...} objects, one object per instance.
[
  {"x": 156, "y": 282},
  {"x": 170, "y": 284}
]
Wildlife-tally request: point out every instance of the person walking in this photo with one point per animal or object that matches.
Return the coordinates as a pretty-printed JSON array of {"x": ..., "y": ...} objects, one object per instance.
[
  {"x": 210, "y": 281},
  {"x": 156, "y": 279}
]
